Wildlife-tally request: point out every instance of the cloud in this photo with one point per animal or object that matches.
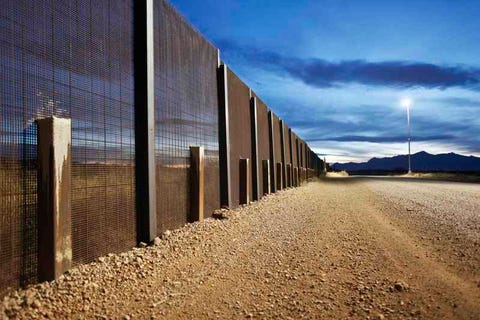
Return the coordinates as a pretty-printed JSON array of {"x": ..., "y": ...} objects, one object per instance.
[
  {"x": 458, "y": 102},
  {"x": 325, "y": 74}
]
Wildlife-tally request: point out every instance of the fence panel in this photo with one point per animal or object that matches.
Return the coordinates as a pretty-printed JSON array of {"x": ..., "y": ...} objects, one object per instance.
[
  {"x": 75, "y": 58},
  {"x": 293, "y": 136},
  {"x": 70, "y": 59},
  {"x": 263, "y": 141},
  {"x": 286, "y": 135},
  {"x": 186, "y": 114},
  {"x": 240, "y": 132},
  {"x": 277, "y": 143}
]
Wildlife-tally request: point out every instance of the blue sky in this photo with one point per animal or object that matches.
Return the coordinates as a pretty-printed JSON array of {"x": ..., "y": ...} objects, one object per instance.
[{"x": 336, "y": 70}]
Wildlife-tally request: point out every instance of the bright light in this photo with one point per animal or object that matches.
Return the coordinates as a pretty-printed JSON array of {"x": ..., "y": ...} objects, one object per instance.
[{"x": 406, "y": 102}]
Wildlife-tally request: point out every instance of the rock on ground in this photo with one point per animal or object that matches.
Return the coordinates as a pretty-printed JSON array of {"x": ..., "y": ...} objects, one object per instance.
[{"x": 336, "y": 248}]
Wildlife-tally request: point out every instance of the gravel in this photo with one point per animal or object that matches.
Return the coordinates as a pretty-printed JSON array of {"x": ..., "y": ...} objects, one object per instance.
[
  {"x": 444, "y": 215},
  {"x": 329, "y": 249}
]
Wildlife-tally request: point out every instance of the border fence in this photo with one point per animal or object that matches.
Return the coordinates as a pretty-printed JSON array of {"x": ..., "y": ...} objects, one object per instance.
[{"x": 140, "y": 87}]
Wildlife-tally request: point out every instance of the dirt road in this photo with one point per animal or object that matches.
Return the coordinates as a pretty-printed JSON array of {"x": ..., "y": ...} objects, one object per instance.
[{"x": 338, "y": 248}]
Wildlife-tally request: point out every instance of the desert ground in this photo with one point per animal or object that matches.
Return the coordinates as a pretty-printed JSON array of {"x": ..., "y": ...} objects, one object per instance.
[{"x": 336, "y": 248}]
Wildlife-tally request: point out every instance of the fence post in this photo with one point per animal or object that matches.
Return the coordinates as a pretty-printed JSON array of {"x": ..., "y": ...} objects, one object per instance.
[
  {"x": 282, "y": 149},
  {"x": 145, "y": 175},
  {"x": 244, "y": 181},
  {"x": 290, "y": 144},
  {"x": 197, "y": 183},
  {"x": 271, "y": 135},
  {"x": 266, "y": 176},
  {"x": 224, "y": 136},
  {"x": 54, "y": 197},
  {"x": 253, "y": 114}
]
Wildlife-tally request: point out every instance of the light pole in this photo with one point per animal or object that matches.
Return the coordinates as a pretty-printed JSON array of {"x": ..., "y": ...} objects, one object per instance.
[{"x": 407, "y": 103}]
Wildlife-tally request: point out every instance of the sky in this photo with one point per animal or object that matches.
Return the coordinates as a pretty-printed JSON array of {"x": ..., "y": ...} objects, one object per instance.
[{"x": 337, "y": 70}]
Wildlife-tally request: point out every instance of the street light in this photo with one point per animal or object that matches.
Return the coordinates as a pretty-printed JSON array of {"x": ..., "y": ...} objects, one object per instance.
[{"x": 407, "y": 103}]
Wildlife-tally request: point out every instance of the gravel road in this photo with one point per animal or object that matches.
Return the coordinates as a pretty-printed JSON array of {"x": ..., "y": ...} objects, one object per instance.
[{"x": 337, "y": 248}]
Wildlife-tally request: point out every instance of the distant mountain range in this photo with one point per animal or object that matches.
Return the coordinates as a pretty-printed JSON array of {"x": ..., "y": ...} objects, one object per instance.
[{"x": 421, "y": 162}]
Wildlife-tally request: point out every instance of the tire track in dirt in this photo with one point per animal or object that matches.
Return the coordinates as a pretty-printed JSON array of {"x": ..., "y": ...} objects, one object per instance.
[{"x": 329, "y": 249}]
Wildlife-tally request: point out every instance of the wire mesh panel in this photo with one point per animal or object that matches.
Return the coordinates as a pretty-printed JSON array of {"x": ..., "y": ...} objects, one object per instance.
[
  {"x": 240, "y": 132},
  {"x": 286, "y": 135},
  {"x": 277, "y": 141},
  {"x": 102, "y": 111},
  {"x": 186, "y": 114},
  {"x": 293, "y": 136},
  {"x": 311, "y": 160},
  {"x": 301, "y": 157},
  {"x": 263, "y": 141},
  {"x": 70, "y": 59}
]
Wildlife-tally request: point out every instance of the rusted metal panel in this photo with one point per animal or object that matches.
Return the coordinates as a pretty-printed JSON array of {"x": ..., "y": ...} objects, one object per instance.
[
  {"x": 293, "y": 139},
  {"x": 240, "y": 132},
  {"x": 302, "y": 153},
  {"x": 290, "y": 146},
  {"x": 277, "y": 148},
  {"x": 297, "y": 151},
  {"x": 286, "y": 135},
  {"x": 271, "y": 137},
  {"x": 283, "y": 152},
  {"x": 255, "y": 162},
  {"x": 263, "y": 141},
  {"x": 186, "y": 113},
  {"x": 287, "y": 152}
]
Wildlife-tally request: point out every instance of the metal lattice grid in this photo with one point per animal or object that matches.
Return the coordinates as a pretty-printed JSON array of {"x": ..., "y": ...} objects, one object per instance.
[
  {"x": 240, "y": 132},
  {"x": 70, "y": 59},
  {"x": 263, "y": 141},
  {"x": 186, "y": 114}
]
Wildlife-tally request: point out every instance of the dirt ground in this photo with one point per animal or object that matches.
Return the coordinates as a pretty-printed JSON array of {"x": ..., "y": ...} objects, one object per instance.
[{"x": 338, "y": 248}]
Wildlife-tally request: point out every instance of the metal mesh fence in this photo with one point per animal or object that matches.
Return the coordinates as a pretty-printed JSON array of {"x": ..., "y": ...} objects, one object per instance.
[
  {"x": 186, "y": 114},
  {"x": 240, "y": 131},
  {"x": 74, "y": 58},
  {"x": 286, "y": 134},
  {"x": 66, "y": 58},
  {"x": 293, "y": 136},
  {"x": 277, "y": 144},
  {"x": 263, "y": 141}
]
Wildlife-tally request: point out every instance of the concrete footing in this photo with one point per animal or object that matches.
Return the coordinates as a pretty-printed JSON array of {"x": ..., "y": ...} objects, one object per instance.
[
  {"x": 266, "y": 177},
  {"x": 54, "y": 197},
  {"x": 279, "y": 172},
  {"x": 197, "y": 180},
  {"x": 245, "y": 181}
]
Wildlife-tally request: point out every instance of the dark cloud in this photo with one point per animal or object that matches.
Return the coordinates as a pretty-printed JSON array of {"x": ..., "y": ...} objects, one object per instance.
[
  {"x": 381, "y": 139},
  {"x": 323, "y": 74},
  {"x": 457, "y": 102},
  {"x": 379, "y": 125}
]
